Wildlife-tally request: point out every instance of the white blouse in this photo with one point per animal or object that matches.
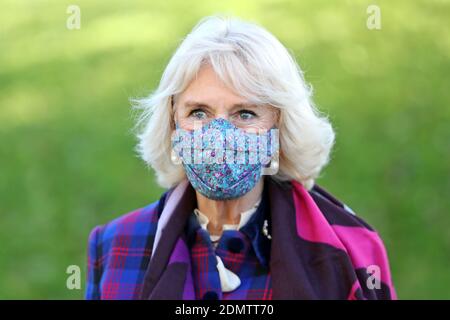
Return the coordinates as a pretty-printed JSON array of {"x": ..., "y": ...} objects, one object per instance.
[{"x": 228, "y": 279}]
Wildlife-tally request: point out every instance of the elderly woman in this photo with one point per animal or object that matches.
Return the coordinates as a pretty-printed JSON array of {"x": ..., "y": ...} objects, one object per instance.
[{"x": 232, "y": 133}]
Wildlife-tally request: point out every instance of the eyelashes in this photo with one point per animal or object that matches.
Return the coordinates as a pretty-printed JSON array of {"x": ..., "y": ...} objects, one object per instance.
[
  {"x": 198, "y": 113},
  {"x": 247, "y": 114},
  {"x": 243, "y": 114}
]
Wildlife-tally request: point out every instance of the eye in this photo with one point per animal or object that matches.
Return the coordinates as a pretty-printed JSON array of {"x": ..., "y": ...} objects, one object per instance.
[
  {"x": 246, "y": 115},
  {"x": 198, "y": 114}
]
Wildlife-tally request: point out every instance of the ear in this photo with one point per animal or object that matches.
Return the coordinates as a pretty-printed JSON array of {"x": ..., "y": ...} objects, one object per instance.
[
  {"x": 172, "y": 112},
  {"x": 278, "y": 115}
]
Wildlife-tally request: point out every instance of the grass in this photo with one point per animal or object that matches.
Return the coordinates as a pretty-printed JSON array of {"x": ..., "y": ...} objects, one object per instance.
[{"x": 67, "y": 160}]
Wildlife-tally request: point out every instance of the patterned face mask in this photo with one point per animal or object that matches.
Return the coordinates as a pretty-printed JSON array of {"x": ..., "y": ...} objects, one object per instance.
[{"x": 222, "y": 161}]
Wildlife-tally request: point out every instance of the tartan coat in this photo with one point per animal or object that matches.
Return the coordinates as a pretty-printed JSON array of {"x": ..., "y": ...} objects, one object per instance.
[{"x": 319, "y": 249}]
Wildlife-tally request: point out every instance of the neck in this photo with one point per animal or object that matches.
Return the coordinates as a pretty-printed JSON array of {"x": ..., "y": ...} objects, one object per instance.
[{"x": 220, "y": 212}]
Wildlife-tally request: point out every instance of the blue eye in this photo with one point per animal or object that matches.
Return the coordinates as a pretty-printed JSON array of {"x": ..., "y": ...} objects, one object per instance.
[
  {"x": 198, "y": 113},
  {"x": 246, "y": 115}
]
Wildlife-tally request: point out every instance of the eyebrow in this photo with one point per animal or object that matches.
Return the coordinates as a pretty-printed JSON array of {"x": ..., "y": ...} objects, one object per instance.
[{"x": 197, "y": 104}]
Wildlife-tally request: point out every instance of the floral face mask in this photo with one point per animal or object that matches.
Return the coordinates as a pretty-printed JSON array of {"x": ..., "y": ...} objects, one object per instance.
[{"x": 223, "y": 161}]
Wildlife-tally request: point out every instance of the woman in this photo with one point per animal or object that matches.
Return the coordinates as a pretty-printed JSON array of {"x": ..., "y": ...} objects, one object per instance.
[{"x": 232, "y": 133}]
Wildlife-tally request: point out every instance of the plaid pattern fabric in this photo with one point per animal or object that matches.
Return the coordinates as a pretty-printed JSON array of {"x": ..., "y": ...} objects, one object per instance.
[
  {"x": 255, "y": 278},
  {"x": 318, "y": 250},
  {"x": 118, "y": 255},
  {"x": 245, "y": 252}
]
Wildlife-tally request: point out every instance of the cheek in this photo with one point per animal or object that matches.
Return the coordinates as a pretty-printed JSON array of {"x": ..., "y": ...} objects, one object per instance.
[
  {"x": 182, "y": 120},
  {"x": 185, "y": 124},
  {"x": 271, "y": 118},
  {"x": 265, "y": 122},
  {"x": 267, "y": 118}
]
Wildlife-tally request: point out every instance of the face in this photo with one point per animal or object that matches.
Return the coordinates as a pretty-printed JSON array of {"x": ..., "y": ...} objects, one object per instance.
[{"x": 207, "y": 98}]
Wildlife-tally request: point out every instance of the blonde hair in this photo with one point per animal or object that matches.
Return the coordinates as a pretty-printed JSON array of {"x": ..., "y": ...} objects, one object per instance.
[{"x": 257, "y": 66}]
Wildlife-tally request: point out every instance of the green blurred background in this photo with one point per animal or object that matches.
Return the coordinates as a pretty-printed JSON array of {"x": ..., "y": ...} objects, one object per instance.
[{"x": 67, "y": 161}]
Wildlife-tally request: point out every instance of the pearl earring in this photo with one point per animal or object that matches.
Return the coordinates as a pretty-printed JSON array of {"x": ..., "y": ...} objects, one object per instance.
[
  {"x": 175, "y": 158},
  {"x": 274, "y": 165}
]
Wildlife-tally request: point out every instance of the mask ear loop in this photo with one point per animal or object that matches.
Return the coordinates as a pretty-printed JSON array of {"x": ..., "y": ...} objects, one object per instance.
[
  {"x": 176, "y": 160},
  {"x": 274, "y": 164}
]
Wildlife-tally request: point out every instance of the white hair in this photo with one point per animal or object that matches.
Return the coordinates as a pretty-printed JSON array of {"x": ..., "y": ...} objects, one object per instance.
[{"x": 252, "y": 62}]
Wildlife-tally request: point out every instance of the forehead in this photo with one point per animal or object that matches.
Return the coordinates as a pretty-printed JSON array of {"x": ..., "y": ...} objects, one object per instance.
[{"x": 208, "y": 88}]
